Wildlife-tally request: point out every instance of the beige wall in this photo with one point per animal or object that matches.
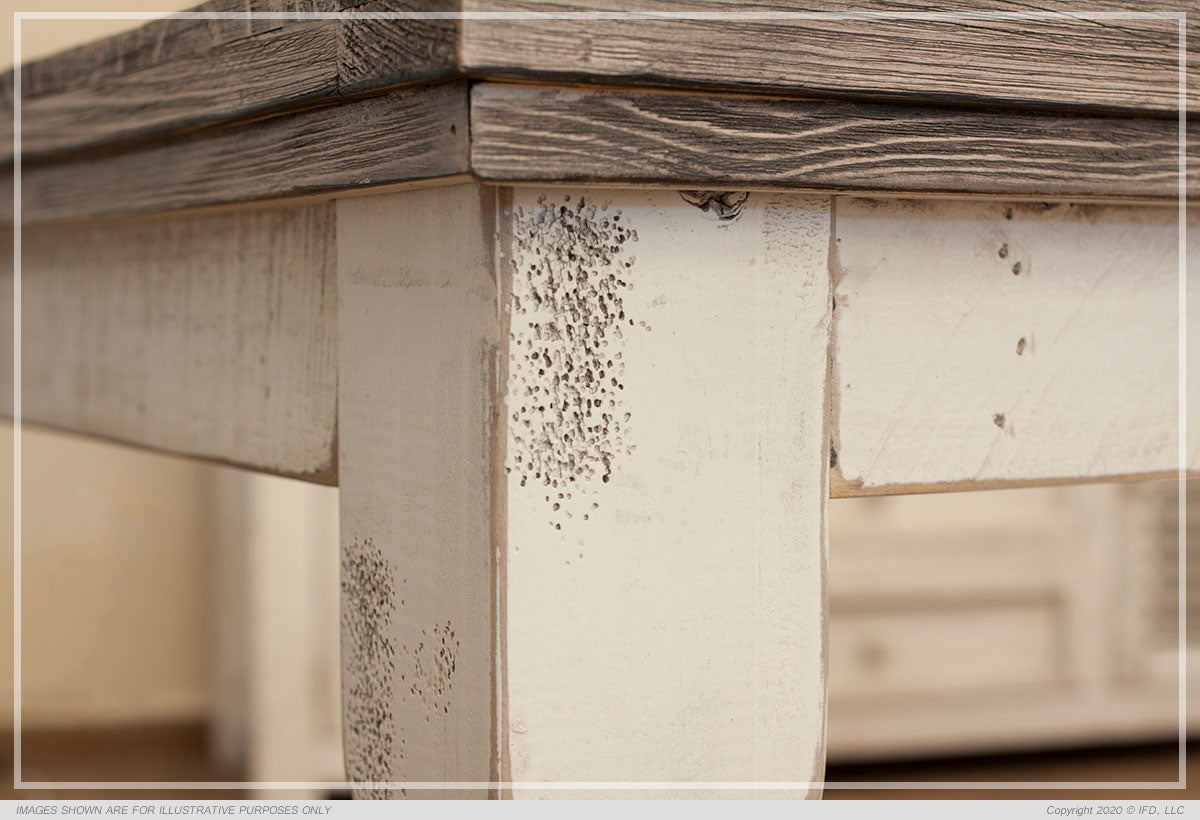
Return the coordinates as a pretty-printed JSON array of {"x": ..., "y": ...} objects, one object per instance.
[{"x": 116, "y": 583}]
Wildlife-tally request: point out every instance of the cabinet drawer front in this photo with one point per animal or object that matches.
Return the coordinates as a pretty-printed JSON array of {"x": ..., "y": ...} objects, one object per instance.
[{"x": 924, "y": 652}]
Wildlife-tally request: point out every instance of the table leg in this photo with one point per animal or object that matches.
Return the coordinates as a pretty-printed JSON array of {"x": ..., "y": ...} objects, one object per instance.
[{"x": 583, "y": 465}]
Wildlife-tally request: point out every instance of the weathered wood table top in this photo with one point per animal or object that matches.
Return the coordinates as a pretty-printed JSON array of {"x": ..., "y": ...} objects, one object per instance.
[
  {"x": 1014, "y": 102},
  {"x": 589, "y": 313}
]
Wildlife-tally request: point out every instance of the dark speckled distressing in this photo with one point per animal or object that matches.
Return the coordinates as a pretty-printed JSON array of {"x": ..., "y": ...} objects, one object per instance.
[
  {"x": 572, "y": 269},
  {"x": 369, "y": 666}
]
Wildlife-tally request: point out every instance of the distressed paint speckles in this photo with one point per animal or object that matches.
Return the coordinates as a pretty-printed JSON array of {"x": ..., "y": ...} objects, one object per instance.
[
  {"x": 676, "y": 634},
  {"x": 571, "y": 269},
  {"x": 369, "y": 663},
  {"x": 434, "y": 660},
  {"x": 417, "y": 308}
]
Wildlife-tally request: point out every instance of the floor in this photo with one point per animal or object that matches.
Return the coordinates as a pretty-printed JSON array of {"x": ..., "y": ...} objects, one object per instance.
[
  {"x": 149, "y": 753},
  {"x": 1151, "y": 763},
  {"x": 178, "y": 753}
]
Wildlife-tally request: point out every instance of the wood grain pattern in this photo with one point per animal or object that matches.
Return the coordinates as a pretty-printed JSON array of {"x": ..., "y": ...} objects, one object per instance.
[
  {"x": 180, "y": 73},
  {"x": 206, "y": 335},
  {"x": 175, "y": 74},
  {"x": 1115, "y": 64},
  {"x": 375, "y": 53},
  {"x": 155, "y": 42},
  {"x": 980, "y": 343},
  {"x": 393, "y": 138},
  {"x": 243, "y": 78},
  {"x": 541, "y": 134},
  {"x": 528, "y": 133}
]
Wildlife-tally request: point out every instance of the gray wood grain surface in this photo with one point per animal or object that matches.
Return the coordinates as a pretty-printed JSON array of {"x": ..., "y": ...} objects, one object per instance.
[
  {"x": 419, "y": 134},
  {"x": 545, "y": 134},
  {"x": 1116, "y": 64},
  {"x": 522, "y": 133},
  {"x": 178, "y": 74},
  {"x": 153, "y": 43},
  {"x": 379, "y": 53},
  {"x": 273, "y": 70}
]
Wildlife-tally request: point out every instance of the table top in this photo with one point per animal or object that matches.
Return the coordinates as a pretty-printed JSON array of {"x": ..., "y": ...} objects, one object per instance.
[{"x": 288, "y": 97}]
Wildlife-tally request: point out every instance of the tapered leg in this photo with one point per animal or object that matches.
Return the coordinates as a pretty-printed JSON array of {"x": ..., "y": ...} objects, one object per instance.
[{"x": 583, "y": 465}]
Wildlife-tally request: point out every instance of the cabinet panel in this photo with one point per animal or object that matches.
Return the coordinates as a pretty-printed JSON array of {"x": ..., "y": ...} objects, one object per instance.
[{"x": 932, "y": 652}]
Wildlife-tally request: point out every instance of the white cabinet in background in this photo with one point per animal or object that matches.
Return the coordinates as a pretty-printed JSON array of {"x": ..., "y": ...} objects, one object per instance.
[{"x": 1006, "y": 620}]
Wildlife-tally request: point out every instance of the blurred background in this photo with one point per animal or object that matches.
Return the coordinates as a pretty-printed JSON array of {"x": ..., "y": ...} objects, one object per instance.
[{"x": 180, "y": 620}]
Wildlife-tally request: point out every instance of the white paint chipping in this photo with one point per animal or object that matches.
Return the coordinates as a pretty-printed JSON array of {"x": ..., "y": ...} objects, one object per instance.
[{"x": 983, "y": 342}]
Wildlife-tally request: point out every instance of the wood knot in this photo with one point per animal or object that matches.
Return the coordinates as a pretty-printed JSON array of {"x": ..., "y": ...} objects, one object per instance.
[{"x": 724, "y": 205}]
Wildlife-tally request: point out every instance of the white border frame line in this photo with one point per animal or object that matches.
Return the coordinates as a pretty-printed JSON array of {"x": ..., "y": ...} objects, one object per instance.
[
  {"x": 16, "y": 401},
  {"x": 1182, "y": 510},
  {"x": 18, "y": 783}
]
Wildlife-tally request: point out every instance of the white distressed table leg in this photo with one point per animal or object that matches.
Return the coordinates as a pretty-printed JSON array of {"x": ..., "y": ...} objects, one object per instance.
[
  {"x": 418, "y": 330},
  {"x": 602, "y": 488},
  {"x": 664, "y": 572}
]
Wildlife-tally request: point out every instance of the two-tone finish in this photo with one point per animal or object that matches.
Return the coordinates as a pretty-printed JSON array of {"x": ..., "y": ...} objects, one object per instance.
[{"x": 588, "y": 316}]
